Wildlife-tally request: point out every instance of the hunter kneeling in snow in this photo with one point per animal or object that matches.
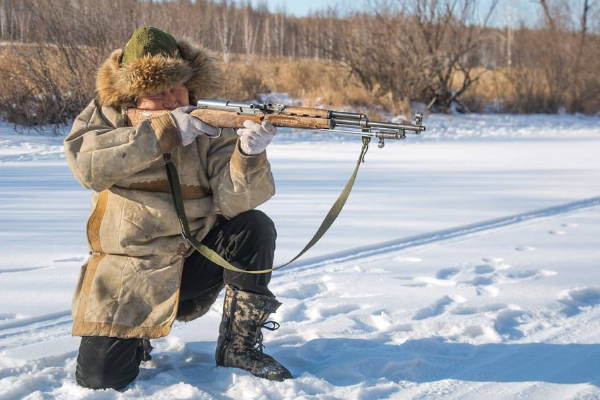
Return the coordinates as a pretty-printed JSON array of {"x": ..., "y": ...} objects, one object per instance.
[{"x": 141, "y": 274}]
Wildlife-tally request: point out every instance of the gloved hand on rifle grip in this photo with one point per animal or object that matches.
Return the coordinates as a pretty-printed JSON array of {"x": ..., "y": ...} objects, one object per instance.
[
  {"x": 254, "y": 137},
  {"x": 189, "y": 126}
]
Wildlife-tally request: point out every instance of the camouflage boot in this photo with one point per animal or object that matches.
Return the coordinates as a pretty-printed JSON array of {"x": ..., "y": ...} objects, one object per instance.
[{"x": 240, "y": 336}]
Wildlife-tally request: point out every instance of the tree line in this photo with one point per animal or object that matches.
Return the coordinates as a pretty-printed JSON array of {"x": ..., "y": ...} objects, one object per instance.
[{"x": 441, "y": 53}]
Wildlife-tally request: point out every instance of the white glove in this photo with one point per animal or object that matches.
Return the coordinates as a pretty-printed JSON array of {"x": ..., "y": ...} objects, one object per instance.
[
  {"x": 190, "y": 127},
  {"x": 256, "y": 137}
]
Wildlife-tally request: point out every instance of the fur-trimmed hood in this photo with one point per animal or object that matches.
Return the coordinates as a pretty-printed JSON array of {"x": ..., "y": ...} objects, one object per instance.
[{"x": 120, "y": 85}]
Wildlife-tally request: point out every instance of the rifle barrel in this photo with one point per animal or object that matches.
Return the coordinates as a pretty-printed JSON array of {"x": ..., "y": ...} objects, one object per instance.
[
  {"x": 334, "y": 118},
  {"x": 376, "y": 124},
  {"x": 341, "y": 114}
]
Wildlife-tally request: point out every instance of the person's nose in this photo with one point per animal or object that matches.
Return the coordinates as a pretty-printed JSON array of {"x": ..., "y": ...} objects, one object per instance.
[{"x": 170, "y": 101}]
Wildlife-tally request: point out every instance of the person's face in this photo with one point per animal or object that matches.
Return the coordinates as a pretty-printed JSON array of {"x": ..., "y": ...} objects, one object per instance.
[{"x": 170, "y": 99}]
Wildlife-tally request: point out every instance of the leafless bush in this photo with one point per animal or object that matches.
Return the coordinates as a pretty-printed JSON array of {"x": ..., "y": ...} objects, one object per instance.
[
  {"x": 50, "y": 81},
  {"x": 315, "y": 82},
  {"x": 410, "y": 50},
  {"x": 556, "y": 67},
  {"x": 242, "y": 81},
  {"x": 387, "y": 55}
]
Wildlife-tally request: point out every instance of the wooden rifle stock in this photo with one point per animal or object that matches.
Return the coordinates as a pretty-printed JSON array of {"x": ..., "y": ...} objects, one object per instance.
[
  {"x": 302, "y": 118},
  {"x": 229, "y": 119}
]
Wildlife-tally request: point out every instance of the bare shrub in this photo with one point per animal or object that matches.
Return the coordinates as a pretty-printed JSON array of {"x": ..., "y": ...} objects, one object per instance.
[
  {"x": 241, "y": 81},
  {"x": 50, "y": 81},
  {"x": 384, "y": 56},
  {"x": 37, "y": 87},
  {"x": 410, "y": 50},
  {"x": 557, "y": 65}
]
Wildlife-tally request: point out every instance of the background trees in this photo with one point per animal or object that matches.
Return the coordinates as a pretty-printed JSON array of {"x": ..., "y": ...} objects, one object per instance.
[{"x": 443, "y": 54}]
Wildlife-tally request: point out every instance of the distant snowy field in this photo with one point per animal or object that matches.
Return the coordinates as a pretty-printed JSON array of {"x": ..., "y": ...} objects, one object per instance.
[{"x": 466, "y": 265}]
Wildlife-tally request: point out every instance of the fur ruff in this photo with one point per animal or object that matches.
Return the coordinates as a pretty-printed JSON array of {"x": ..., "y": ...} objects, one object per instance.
[{"x": 119, "y": 86}]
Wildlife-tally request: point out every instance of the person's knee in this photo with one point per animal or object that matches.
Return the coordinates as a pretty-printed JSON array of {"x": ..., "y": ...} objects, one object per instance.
[
  {"x": 259, "y": 223},
  {"x": 104, "y": 376},
  {"x": 101, "y": 376},
  {"x": 97, "y": 367},
  {"x": 97, "y": 380}
]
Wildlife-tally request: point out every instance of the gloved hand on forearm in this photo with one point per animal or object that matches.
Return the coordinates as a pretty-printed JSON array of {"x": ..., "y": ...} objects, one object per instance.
[
  {"x": 190, "y": 127},
  {"x": 254, "y": 137}
]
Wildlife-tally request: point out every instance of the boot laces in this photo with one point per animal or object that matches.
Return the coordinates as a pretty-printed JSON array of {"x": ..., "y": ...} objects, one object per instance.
[{"x": 269, "y": 325}]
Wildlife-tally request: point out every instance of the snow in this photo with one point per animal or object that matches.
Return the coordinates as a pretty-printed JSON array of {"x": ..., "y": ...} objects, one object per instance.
[{"x": 465, "y": 265}]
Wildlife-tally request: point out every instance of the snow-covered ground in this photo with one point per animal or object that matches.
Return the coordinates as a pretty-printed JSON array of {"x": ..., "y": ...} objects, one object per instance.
[{"x": 466, "y": 265}]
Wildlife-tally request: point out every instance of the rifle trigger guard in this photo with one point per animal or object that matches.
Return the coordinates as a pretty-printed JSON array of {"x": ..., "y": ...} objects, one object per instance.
[{"x": 218, "y": 135}]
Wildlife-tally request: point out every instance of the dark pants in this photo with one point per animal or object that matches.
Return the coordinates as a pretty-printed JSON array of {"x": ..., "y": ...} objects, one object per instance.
[{"x": 246, "y": 241}]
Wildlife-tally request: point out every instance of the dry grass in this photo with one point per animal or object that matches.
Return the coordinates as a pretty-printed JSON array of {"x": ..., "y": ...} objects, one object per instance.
[
  {"x": 491, "y": 88},
  {"x": 316, "y": 83},
  {"x": 35, "y": 88},
  {"x": 530, "y": 90}
]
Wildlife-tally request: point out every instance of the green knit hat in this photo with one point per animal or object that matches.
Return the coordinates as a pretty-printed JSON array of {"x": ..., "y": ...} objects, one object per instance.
[{"x": 149, "y": 41}]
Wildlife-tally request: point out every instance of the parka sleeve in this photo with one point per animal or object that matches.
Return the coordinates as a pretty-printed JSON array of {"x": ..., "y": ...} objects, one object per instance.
[
  {"x": 239, "y": 182},
  {"x": 100, "y": 154}
]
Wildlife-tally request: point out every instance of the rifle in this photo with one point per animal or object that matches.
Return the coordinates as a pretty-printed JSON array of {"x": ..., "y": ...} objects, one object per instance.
[{"x": 230, "y": 114}]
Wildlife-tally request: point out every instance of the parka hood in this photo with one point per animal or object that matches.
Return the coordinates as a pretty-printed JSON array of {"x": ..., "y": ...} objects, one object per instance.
[{"x": 119, "y": 85}]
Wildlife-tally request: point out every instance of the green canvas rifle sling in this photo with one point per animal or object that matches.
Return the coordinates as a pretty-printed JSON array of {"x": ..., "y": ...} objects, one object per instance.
[{"x": 213, "y": 256}]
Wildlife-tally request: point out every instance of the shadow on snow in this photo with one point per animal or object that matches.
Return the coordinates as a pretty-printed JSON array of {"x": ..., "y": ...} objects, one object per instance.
[{"x": 352, "y": 361}]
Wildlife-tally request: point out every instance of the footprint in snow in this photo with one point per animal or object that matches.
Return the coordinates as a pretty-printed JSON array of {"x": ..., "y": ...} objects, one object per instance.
[
  {"x": 491, "y": 291},
  {"x": 327, "y": 312},
  {"x": 381, "y": 321},
  {"x": 557, "y": 232},
  {"x": 525, "y": 248},
  {"x": 384, "y": 322},
  {"x": 507, "y": 322},
  {"x": 493, "y": 260},
  {"x": 482, "y": 281},
  {"x": 483, "y": 285},
  {"x": 364, "y": 324},
  {"x": 303, "y": 292},
  {"x": 578, "y": 300},
  {"x": 476, "y": 332},
  {"x": 496, "y": 263},
  {"x": 484, "y": 269},
  {"x": 530, "y": 274},
  {"x": 570, "y": 225},
  {"x": 485, "y": 277},
  {"x": 447, "y": 273},
  {"x": 293, "y": 313},
  {"x": 427, "y": 281},
  {"x": 438, "y": 308}
]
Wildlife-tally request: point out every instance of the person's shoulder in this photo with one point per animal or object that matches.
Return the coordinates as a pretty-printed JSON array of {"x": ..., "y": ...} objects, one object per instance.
[{"x": 96, "y": 113}]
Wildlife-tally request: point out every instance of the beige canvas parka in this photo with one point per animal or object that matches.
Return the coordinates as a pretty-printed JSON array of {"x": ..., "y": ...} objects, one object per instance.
[{"x": 129, "y": 286}]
